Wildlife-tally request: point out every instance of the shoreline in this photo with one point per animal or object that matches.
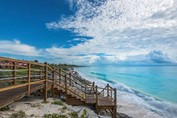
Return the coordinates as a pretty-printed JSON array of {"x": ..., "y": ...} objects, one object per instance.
[{"x": 129, "y": 99}]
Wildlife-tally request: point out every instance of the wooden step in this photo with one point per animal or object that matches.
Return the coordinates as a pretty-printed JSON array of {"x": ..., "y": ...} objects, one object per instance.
[{"x": 73, "y": 100}]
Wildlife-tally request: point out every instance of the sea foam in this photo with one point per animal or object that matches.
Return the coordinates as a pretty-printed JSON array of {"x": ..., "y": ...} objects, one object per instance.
[{"x": 163, "y": 108}]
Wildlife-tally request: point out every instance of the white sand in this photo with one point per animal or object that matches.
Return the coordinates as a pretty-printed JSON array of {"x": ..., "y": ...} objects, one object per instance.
[{"x": 34, "y": 108}]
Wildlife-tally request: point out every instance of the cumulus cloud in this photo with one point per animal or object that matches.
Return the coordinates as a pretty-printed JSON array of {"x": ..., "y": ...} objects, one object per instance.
[
  {"x": 159, "y": 57},
  {"x": 17, "y": 48},
  {"x": 123, "y": 29}
]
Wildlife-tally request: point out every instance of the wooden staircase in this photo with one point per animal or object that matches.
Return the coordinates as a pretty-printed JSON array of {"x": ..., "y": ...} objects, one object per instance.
[{"x": 19, "y": 78}]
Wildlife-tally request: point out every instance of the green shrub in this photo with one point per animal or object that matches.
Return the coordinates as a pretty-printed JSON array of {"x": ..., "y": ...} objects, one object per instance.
[
  {"x": 19, "y": 114},
  {"x": 62, "y": 116},
  {"x": 84, "y": 114},
  {"x": 54, "y": 116},
  {"x": 73, "y": 115},
  {"x": 58, "y": 102}
]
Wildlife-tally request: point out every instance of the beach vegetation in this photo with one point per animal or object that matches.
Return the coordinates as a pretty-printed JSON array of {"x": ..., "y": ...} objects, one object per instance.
[
  {"x": 54, "y": 115},
  {"x": 84, "y": 113},
  {"x": 62, "y": 116},
  {"x": 58, "y": 102},
  {"x": 19, "y": 114},
  {"x": 73, "y": 115},
  {"x": 64, "y": 66}
]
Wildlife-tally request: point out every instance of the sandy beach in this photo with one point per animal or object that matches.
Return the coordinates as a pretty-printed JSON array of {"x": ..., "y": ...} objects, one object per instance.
[{"x": 35, "y": 108}]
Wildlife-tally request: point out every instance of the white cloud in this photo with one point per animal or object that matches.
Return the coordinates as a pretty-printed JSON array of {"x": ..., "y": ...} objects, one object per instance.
[
  {"x": 17, "y": 48},
  {"x": 121, "y": 28}
]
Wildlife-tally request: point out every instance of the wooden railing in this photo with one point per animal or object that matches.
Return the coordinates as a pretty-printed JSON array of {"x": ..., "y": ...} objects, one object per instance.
[{"x": 19, "y": 73}]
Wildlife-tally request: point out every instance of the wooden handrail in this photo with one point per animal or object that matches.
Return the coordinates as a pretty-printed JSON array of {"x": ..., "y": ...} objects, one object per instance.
[
  {"x": 18, "y": 70},
  {"x": 108, "y": 88},
  {"x": 70, "y": 75},
  {"x": 70, "y": 79},
  {"x": 21, "y": 66},
  {"x": 18, "y": 77},
  {"x": 50, "y": 68},
  {"x": 50, "y": 77},
  {"x": 73, "y": 80},
  {"x": 102, "y": 90},
  {"x": 19, "y": 85},
  {"x": 25, "y": 61},
  {"x": 13, "y": 87},
  {"x": 36, "y": 82},
  {"x": 6, "y": 65},
  {"x": 74, "y": 77}
]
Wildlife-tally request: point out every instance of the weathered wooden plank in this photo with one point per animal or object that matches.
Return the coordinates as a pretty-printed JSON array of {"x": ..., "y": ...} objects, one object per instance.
[
  {"x": 13, "y": 87},
  {"x": 9, "y": 96}
]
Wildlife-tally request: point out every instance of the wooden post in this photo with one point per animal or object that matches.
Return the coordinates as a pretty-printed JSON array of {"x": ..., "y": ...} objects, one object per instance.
[
  {"x": 53, "y": 77},
  {"x": 107, "y": 90},
  {"x": 85, "y": 89},
  {"x": 93, "y": 86},
  {"x": 97, "y": 99},
  {"x": 41, "y": 74},
  {"x": 59, "y": 75},
  {"x": 45, "y": 82},
  {"x": 65, "y": 83},
  {"x": 29, "y": 77},
  {"x": 115, "y": 104},
  {"x": 70, "y": 79},
  {"x": 115, "y": 96},
  {"x": 14, "y": 73},
  {"x": 96, "y": 95},
  {"x": 111, "y": 92}
]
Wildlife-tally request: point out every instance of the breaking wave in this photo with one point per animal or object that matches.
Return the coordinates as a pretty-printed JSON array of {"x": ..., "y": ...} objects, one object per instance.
[{"x": 163, "y": 108}]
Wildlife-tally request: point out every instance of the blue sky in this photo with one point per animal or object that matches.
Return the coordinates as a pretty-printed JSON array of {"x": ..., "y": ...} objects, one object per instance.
[{"x": 90, "y": 31}]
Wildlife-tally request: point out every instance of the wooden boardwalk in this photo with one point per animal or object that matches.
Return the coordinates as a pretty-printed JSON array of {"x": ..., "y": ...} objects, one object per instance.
[
  {"x": 12, "y": 95},
  {"x": 19, "y": 78}
]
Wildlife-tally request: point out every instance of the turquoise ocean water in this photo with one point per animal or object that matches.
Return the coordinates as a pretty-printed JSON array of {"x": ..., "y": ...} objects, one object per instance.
[{"x": 157, "y": 81}]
